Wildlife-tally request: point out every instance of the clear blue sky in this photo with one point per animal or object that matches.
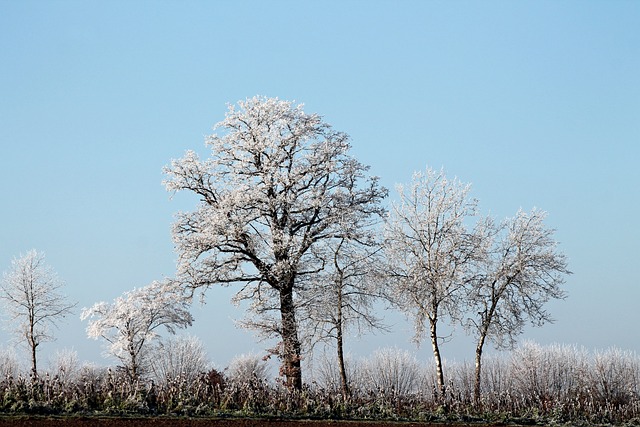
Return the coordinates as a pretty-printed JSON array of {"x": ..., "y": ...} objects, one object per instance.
[{"x": 537, "y": 103}]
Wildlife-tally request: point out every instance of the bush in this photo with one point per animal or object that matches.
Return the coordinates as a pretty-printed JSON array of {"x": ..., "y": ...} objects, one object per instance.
[
  {"x": 181, "y": 356},
  {"x": 9, "y": 365},
  {"x": 248, "y": 369},
  {"x": 392, "y": 371},
  {"x": 326, "y": 373},
  {"x": 65, "y": 366}
]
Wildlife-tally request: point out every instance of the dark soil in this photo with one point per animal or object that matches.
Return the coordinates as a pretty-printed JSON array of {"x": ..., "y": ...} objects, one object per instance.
[{"x": 184, "y": 422}]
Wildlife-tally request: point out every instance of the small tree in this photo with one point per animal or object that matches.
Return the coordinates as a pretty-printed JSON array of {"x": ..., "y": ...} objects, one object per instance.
[
  {"x": 30, "y": 291},
  {"x": 344, "y": 295},
  {"x": 130, "y": 324},
  {"x": 430, "y": 253},
  {"x": 520, "y": 271},
  {"x": 278, "y": 184}
]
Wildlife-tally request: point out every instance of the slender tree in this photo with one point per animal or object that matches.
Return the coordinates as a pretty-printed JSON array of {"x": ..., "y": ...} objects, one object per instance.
[
  {"x": 520, "y": 271},
  {"x": 277, "y": 184},
  {"x": 346, "y": 300},
  {"x": 430, "y": 253},
  {"x": 31, "y": 293},
  {"x": 130, "y": 324}
]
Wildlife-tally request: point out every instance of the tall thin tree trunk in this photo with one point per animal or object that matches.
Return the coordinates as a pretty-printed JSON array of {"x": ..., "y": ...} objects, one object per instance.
[
  {"x": 487, "y": 317},
  {"x": 34, "y": 367},
  {"x": 290, "y": 341},
  {"x": 341, "y": 366},
  {"x": 33, "y": 344},
  {"x": 484, "y": 330},
  {"x": 478, "y": 379},
  {"x": 433, "y": 332}
]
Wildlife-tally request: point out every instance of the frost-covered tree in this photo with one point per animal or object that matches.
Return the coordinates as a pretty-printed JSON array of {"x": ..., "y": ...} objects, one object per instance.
[
  {"x": 344, "y": 296},
  {"x": 430, "y": 252},
  {"x": 130, "y": 324},
  {"x": 520, "y": 271},
  {"x": 278, "y": 184},
  {"x": 33, "y": 302}
]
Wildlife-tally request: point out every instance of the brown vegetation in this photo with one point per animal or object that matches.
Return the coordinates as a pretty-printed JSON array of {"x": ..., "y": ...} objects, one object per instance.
[{"x": 172, "y": 422}]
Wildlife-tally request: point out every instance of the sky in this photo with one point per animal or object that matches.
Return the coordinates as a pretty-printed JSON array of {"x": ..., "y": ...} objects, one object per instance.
[{"x": 536, "y": 103}]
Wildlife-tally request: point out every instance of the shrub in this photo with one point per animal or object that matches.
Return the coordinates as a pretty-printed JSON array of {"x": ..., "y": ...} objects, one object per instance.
[
  {"x": 65, "y": 366},
  {"x": 182, "y": 356},
  {"x": 9, "y": 365},
  {"x": 392, "y": 371},
  {"x": 247, "y": 369}
]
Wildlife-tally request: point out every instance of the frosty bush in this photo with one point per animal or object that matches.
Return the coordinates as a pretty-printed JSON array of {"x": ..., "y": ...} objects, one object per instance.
[
  {"x": 64, "y": 365},
  {"x": 393, "y": 372},
  {"x": 326, "y": 373},
  {"x": 549, "y": 373},
  {"x": 615, "y": 376},
  {"x": 248, "y": 368},
  {"x": 9, "y": 365},
  {"x": 182, "y": 356},
  {"x": 496, "y": 377}
]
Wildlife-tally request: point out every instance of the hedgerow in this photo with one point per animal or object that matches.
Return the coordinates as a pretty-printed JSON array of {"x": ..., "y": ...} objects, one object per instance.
[{"x": 535, "y": 384}]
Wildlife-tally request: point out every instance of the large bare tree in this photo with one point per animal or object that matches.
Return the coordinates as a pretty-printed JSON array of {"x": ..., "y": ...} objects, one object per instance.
[
  {"x": 31, "y": 293},
  {"x": 520, "y": 270},
  {"x": 277, "y": 185},
  {"x": 430, "y": 253}
]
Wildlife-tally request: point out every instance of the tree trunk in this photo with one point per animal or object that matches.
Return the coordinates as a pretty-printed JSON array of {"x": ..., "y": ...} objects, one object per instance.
[
  {"x": 34, "y": 367},
  {"x": 487, "y": 317},
  {"x": 343, "y": 372},
  {"x": 291, "y": 344},
  {"x": 478, "y": 379},
  {"x": 134, "y": 372},
  {"x": 33, "y": 344},
  {"x": 436, "y": 354}
]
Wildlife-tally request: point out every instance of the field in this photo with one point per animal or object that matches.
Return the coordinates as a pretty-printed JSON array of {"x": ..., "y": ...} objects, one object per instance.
[{"x": 165, "y": 422}]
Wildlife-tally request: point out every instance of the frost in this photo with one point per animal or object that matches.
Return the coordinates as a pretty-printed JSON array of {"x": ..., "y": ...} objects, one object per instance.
[
  {"x": 130, "y": 324},
  {"x": 31, "y": 293},
  {"x": 279, "y": 183}
]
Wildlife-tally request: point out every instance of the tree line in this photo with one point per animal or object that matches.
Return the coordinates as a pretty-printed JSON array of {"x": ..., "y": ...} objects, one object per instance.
[{"x": 292, "y": 219}]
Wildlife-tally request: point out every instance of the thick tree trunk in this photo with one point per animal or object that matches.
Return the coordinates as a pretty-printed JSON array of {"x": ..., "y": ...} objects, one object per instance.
[
  {"x": 291, "y": 344},
  {"x": 433, "y": 329},
  {"x": 341, "y": 366}
]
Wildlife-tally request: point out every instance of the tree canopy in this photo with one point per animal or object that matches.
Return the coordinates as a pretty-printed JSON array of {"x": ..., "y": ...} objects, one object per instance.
[{"x": 279, "y": 184}]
